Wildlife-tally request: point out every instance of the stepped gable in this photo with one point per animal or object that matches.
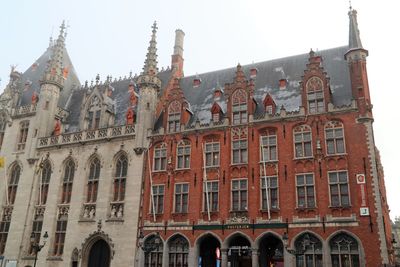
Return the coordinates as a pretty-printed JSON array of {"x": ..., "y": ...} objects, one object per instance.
[
  {"x": 120, "y": 96},
  {"x": 30, "y": 78},
  {"x": 269, "y": 73}
]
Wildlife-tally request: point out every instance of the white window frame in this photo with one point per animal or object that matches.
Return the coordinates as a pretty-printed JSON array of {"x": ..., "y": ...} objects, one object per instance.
[
  {"x": 212, "y": 152},
  {"x": 156, "y": 196},
  {"x": 210, "y": 192},
  {"x": 188, "y": 200},
  {"x": 184, "y": 155},
  {"x": 305, "y": 185},
  {"x": 162, "y": 148},
  {"x": 263, "y": 188},
  {"x": 267, "y": 147},
  {"x": 338, "y": 183},
  {"x": 246, "y": 155},
  {"x": 303, "y": 129},
  {"x": 240, "y": 199},
  {"x": 331, "y": 126}
]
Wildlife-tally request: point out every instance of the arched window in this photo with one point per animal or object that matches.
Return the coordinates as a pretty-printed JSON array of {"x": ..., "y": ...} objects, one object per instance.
[
  {"x": 120, "y": 178},
  {"x": 334, "y": 137},
  {"x": 154, "y": 257},
  {"x": 13, "y": 183},
  {"x": 45, "y": 182},
  {"x": 160, "y": 158},
  {"x": 183, "y": 155},
  {"x": 94, "y": 113},
  {"x": 3, "y": 121},
  {"x": 68, "y": 179},
  {"x": 239, "y": 107},
  {"x": 178, "y": 252},
  {"x": 344, "y": 251},
  {"x": 302, "y": 141},
  {"x": 309, "y": 251},
  {"x": 315, "y": 95},
  {"x": 93, "y": 181},
  {"x": 174, "y": 117}
]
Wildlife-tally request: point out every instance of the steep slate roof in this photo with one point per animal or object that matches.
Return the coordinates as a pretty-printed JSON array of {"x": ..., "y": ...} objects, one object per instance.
[
  {"x": 35, "y": 72},
  {"x": 267, "y": 81}
]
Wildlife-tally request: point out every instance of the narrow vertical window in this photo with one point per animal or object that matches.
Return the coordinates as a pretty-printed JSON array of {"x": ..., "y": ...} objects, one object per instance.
[
  {"x": 120, "y": 178},
  {"x": 269, "y": 146},
  {"x": 315, "y": 95},
  {"x": 212, "y": 154},
  {"x": 94, "y": 113},
  {"x": 93, "y": 181},
  {"x": 3, "y": 121},
  {"x": 239, "y": 107},
  {"x": 183, "y": 155},
  {"x": 36, "y": 229},
  {"x": 339, "y": 189},
  {"x": 59, "y": 240},
  {"x": 305, "y": 190},
  {"x": 174, "y": 117},
  {"x": 4, "y": 228},
  {"x": 68, "y": 179},
  {"x": 45, "y": 182},
  {"x": 302, "y": 141},
  {"x": 23, "y": 134},
  {"x": 269, "y": 192},
  {"x": 334, "y": 138},
  {"x": 239, "y": 195},
  {"x": 181, "y": 198},
  {"x": 239, "y": 151},
  {"x": 13, "y": 183},
  {"x": 210, "y": 200},
  {"x": 160, "y": 158},
  {"x": 158, "y": 199}
]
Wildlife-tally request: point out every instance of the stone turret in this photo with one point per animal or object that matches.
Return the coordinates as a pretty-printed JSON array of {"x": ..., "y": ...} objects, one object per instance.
[
  {"x": 149, "y": 86},
  {"x": 51, "y": 83}
]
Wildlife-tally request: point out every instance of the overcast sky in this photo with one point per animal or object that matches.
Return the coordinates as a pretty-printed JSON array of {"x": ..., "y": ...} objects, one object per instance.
[{"x": 111, "y": 37}]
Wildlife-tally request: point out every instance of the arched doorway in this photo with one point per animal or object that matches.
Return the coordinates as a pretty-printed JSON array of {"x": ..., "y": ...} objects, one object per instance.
[
  {"x": 239, "y": 252},
  {"x": 99, "y": 254},
  {"x": 271, "y": 251},
  {"x": 208, "y": 251}
]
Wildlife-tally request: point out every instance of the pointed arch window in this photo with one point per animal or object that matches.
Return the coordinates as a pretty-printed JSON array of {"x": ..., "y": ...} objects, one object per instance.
[
  {"x": 68, "y": 180},
  {"x": 302, "y": 141},
  {"x": 120, "y": 178},
  {"x": 160, "y": 158},
  {"x": 174, "y": 117},
  {"x": 315, "y": 95},
  {"x": 239, "y": 107},
  {"x": 3, "y": 122},
  {"x": 45, "y": 182},
  {"x": 311, "y": 248},
  {"x": 154, "y": 257},
  {"x": 13, "y": 183},
  {"x": 334, "y": 138},
  {"x": 344, "y": 251},
  {"x": 183, "y": 155},
  {"x": 93, "y": 181},
  {"x": 178, "y": 252}
]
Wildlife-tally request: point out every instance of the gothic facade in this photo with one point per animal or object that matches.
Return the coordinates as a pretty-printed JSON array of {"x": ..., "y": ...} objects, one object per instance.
[{"x": 268, "y": 164}]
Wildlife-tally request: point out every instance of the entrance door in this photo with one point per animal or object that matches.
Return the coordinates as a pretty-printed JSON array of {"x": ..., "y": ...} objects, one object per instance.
[
  {"x": 271, "y": 251},
  {"x": 99, "y": 255},
  {"x": 208, "y": 247},
  {"x": 239, "y": 253}
]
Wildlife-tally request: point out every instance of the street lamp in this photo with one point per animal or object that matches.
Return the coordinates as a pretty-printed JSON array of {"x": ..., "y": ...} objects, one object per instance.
[
  {"x": 149, "y": 246},
  {"x": 35, "y": 245},
  {"x": 305, "y": 243}
]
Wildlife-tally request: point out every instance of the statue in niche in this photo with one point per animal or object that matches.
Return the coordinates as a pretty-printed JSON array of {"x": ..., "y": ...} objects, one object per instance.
[
  {"x": 57, "y": 128},
  {"x": 130, "y": 116},
  {"x": 34, "y": 98}
]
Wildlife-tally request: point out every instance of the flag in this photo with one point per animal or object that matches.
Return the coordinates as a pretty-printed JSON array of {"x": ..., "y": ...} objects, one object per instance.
[{"x": 1, "y": 162}]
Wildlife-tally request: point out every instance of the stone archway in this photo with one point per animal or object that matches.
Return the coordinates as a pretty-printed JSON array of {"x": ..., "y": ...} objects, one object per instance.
[
  {"x": 97, "y": 243},
  {"x": 239, "y": 252},
  {"x": 207, "y": 247},
  {"x": 99, "y": 254},
  {"x": 271, "y": 251}
]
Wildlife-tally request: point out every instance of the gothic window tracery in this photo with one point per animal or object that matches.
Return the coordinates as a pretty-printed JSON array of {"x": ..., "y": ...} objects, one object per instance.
[
  {"x": 93, "y": 181},
  {"x": 239, "y": 107},
  {"x": 45, "y": 182},
  {"x": 311, "y": 247},
  {"x": 154, "y": 257},
  {"x": 13, "y": 183},
  {"x": 120, "y": 178},
  {"x": 174, "y": 117},
  {"x": 315, "y": 95},
  {"x": 344, "y": 251},
  {"x": 94, "y": 113},
  {"x": 68, "y": 179},
  {"x": 178, "y": 252}
]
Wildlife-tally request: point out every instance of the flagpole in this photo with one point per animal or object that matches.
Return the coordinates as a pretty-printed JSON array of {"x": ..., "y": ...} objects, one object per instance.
[
  {"x": 205, "y": 182},
  {"x": 265, "y": 180},
  {"x": 151, "y": 186}
]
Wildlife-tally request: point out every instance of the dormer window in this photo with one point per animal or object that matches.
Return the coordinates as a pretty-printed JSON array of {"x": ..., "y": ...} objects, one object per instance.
[
  {"x": 94, "y": 114},
  {"x": 216, "y": 117},
  {"x": 174, "y": 117},
  {"x": 269, "y": 109},
  {"x": 239, "y": 107},
  {"x": 315, "y": 95}
]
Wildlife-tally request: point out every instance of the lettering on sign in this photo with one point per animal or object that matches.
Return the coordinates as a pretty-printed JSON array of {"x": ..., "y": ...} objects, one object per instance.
[{"x": 364, "y": 211}]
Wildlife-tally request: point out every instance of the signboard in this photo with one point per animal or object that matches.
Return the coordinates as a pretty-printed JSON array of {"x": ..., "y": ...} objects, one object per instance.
[
  {"x": 360, "y": 178},
  {"x": 364, "y": 211}
]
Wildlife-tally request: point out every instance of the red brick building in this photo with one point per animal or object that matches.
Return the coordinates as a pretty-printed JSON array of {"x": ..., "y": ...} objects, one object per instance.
[{"x": 269, "y": 164}]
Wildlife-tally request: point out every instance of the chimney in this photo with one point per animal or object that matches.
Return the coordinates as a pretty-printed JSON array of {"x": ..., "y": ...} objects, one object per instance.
[{"x": 177, "y": 57}]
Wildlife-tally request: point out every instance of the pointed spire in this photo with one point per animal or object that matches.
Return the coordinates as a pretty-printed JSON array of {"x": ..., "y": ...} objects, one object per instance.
[
  {"x": 354, "y": 33},
  {"x": 150, "y": 64},
  {"x": 54, "y": 71}
]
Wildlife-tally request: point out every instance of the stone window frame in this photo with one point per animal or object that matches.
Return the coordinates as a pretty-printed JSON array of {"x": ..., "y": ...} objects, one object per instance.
[
  {"x": 154, "y": 258},
  {"x": 240, "y": 190},
  {"x": 301, "y": 141},
  {"x": 3, "y": 124},
  {"x": 178, "y": 252},
  {"x": 334, "y": 126},
  {"x": 268, "y": 146},
  {"x": 174, "y": 117},
  {"x": 315, "y": 95},
  {"x": 93, "y": 113},
  {"x": 4, "y": 229},
  {"x": 183, "y": 155},
  {"x": 305, "y": 185},
  {"x": 67, "y": 182},
  {"x": 93, "y": 180},
  {"x": 119, "y": 179},
  {"x": 59, "y": 236},
  {"x": 13, "y": 183},
  {"x": 158, "y": 197},
  {"x": 239, "y": 107},
  {"x": 337, "y": 251},
  {"x": 181, "y": 206},
  {"x": 213, "y": 195},
  {"x": 160, "y": 158},
  {"x": 212, "y": 154},
  {"x": 22, "y": 135},
  {"x": 313, "y": 250},
  {"x": 45, "y": 182},
  {"x": 263, "y": 194},
  {"x": 242, "y": 149},
  {"x": 339, "y": 185}
]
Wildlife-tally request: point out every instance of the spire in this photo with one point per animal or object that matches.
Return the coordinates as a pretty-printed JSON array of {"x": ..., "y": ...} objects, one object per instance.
[
  {"x": 354, "y": 33},
  {"x": 54, "y": 71},
  {"x": 150, "y": 64}
]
